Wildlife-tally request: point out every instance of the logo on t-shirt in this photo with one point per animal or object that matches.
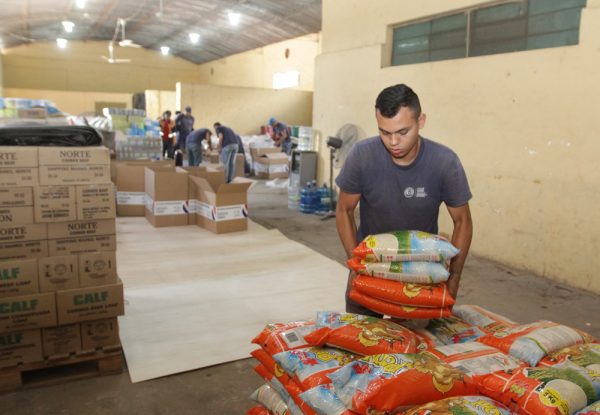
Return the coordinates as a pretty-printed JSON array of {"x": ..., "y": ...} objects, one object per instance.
[
  {"x": 409, "y": 192},
  {"x": 421, "y": 192}
]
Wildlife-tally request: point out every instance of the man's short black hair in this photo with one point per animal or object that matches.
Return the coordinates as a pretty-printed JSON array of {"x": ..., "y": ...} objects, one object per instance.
[
  {"x": 391, "y": 99},
  {"x": 217, "y": 124}
]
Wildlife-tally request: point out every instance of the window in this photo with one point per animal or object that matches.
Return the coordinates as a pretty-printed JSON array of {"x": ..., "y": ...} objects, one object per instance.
[
  {"x": 501, "y": 28},
  {"x": 288, "y": 79}
]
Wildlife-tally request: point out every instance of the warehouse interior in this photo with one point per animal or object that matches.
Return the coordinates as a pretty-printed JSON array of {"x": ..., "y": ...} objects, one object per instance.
[{"x": 511, "y": 86}]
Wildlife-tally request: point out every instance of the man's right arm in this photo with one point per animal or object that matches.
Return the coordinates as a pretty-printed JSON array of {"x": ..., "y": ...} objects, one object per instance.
[{"x": 344, "y": 220}]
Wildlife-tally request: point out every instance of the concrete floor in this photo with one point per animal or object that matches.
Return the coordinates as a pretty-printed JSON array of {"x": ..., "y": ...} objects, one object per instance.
[{"x": 224, "y": 389}]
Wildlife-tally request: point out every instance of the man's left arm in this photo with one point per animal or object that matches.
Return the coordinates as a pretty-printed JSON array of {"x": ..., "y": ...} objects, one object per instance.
[{"x": 461, "y": 238}]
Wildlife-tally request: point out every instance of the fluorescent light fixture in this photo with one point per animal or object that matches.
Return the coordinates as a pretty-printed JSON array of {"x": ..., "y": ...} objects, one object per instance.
[
  {"x": 68, "y": 26},
  {"x": 288, "y": 79},
  {"x": 62, "y": 42},
  {"x": 194, "y": 37},
  {"x": 234, "y": 18},
  {"x": 165, "y": 50},
  {"x": 80, "y": 4}
]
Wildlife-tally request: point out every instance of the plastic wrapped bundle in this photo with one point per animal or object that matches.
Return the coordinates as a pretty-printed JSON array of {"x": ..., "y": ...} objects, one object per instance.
[
  {"x": 471, "y": 405},
  {"x": 269, "y": 399},
  {"x": 420, "y": 295},
  {"x": 405, "y": 246},
  {"x": 68, "y": 136},
  {"x": 397, "y": 310},
  {"x": 413, "y": 272}
]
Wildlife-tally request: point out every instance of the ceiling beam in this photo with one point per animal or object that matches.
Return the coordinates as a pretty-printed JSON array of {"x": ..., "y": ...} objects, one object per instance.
[{"x": 107, "y": 11}]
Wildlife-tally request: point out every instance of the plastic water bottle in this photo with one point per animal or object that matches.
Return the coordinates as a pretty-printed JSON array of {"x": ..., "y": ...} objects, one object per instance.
[
  {"x": 306, "y": 199},
  {"x": 324, "y": 200}
]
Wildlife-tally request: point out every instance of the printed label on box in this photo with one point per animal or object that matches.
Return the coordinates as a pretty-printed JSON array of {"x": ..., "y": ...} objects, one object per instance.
[
  {"x": 278, "y": 168},
  {"x": 222, "y": 213},
  {"x": 193, "y": 206},
  {"x": 131, "y": 198},
  {"x": 170, "y": 207}
]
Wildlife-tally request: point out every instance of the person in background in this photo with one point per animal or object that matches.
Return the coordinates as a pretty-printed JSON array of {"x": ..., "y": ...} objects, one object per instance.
[
  {"x": 184, "y": 124},
  {"x": 281, "y": 135},
  {"x": 228, "y": 147},
  {"x": 166, "y": 126},
  {"x": 243, "y": 153},
  {"x": 400, "y": 179},
  {"x": 193, "y": 144}
]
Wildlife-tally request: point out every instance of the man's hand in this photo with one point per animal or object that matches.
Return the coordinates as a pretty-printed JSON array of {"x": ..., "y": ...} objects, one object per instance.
[{"x": 453, "y": 283}]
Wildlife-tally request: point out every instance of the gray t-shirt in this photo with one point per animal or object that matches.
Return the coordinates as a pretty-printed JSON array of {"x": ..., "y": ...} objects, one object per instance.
[{"x": 396, "y": 197}]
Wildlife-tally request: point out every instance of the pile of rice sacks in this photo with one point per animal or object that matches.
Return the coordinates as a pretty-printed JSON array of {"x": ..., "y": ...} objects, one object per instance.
[
  {"x": 472, "y": 362},
  {"x": 402, "y": 274}
]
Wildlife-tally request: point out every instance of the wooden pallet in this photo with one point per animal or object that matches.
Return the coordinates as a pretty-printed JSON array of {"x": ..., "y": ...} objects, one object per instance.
[{"x": 62, "y": 369}]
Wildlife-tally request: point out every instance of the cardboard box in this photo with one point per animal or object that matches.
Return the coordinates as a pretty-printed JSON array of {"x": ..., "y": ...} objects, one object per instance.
[
  {"x": 58, "y": 273},
  {"x": 20, "y": 347},
  {"x": 192, "y": 193},
  {"x": 239, "y": 165},
  {"x": 18, "y": 277},
  {"x": 91, "y": 303},
  {"x": 100, "y": 333},
  {"x": 129, "y": 177},
  {"x": 18, "y": 166},
  {"x": 271, "y": 166},
  {"x": 38, "y": 113},
  {"x": 23, "y": 241},
  {"x": 166, "y": 196},
  {"x": 97, "y": 268},
  {"x": 96, "y": 201},
  {"x": 54, "y": 204},
  {"x": 25, "y": 312},
  {"x": 78, "y": 237},
  {"x": 73, "y": 165},
  {"x": 61, "y": 340},
  {"x": 213, "y": 157},
  {"x": 16, "y": 196},
  {"x": 16, "y": 215},
  {"x": 221, "y": 207}
]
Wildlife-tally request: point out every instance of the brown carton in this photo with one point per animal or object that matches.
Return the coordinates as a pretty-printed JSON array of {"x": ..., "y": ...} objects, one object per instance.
[
  {"x": 114, "y": 165},
  {"x": 213, "y": 157},
  {"x": 192, "y": 193},
  {"x": 239, "y": 165},
  {"x": 166, "y": 196},
  {"x": 271, "y": 166},
  {"x": 23, "y": 241},
  {"x": 221, "y": 207},
  {"x": 27, "y": 312},
  {"x": 16, "y": 196},
  {"x": 58, "y": 273},
  {"x": 22, "y": 250},
  {"x": 129, "y": 178},
  {"x": 54, "y": 204},
  {"x": 20, "y": 347},
  {"x": 100, "y": 333},
  {"x": 18, "y": 277},
  {"x": 16, "y": 215},
  {"x": 61, "y": 340},
  {"x": 97, "y": 268},
  {"x": 91, "y": 303},
  {"x": 18, "y": 166},
  {"x": 68, "y": 238},
  {"x": 73, "y": 165},
  {"x": 95, "y": 201}
]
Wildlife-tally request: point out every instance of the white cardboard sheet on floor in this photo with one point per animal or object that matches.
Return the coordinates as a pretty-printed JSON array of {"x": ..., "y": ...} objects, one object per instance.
[{"x": 195, "y": 299}]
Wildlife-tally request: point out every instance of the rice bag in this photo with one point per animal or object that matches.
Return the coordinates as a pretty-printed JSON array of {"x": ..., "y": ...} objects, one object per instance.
[
  {"x": 559, "y": 390},
  {"x": 260, "y": 410},
  {"x": 405, "y": 246},
  {"x": 387, "y": 383},
  {"x": 364, "y": 335},
  {"x": 415, "y": 272},
  {"x": 289, "y": 392},
  {"x": 269, "y": 399},
  {"x": 310, "y": 365},
  {"x": 585, "y": 355},
  {"x": 325, "y": 401},
  {"x": 425, "y": 339},
  {"x": 278, "y": 337},
  {"x": 593, "y": 409},
  {"x": 271, "y": 365},
  {"x": 450, "y": 330},
  {"x": 475, "y": 359},
  {"x": 531, "y": 342},
  {"x": 404, "y": 293},
  {"x": 396, "y": 310},
  {"x": 462, "y": 405},
  {"x": 487, "y": 320}
]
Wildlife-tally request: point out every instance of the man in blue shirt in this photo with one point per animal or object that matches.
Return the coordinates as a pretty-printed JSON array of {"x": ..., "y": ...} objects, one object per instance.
[
  {"x": 228, "y": 147},
  {"x": 193, "y": 144},
  {"x": 281, "y": 135},
  {"x": 400, "y": 179},
  {"x": 184, "y": 124}
]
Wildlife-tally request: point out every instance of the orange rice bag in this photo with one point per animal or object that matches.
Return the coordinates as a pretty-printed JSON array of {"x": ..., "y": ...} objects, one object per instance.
[
  {"x": 397, "y": 292},
  {"x": 486, "y": 320},
  {"x": 289, "y": 392},
  {"x": 364, "y": 335},
  {"x": 387, "y": 383},
  {"x": 462, "y": 405},
  {"x": 583, "y": 355},
  {"x": 396, "y": 310},
  {"x": 279, "y": 337},
  {"x": 271, "y": 365}
]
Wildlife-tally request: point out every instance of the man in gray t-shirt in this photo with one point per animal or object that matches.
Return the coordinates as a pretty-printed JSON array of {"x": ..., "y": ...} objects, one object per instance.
[{"x": 400, "y": 180}]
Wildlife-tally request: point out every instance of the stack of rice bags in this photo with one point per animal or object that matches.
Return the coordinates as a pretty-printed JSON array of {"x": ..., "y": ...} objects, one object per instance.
[
  {"x": 474, "y": 362},
  {"x": 402, "y": 274}
]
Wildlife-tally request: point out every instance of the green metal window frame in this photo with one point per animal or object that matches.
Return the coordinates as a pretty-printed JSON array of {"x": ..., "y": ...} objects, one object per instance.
[{"x": 503, "y": 27}]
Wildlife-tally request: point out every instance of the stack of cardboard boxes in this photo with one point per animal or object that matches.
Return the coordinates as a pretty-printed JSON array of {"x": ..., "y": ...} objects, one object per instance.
[
  {"x": 269, "y": 163},
  {"x": 59, "y": 290}
]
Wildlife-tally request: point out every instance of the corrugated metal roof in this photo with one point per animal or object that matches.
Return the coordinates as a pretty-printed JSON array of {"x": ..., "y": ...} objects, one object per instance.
[{"x": 156, "y": 23}]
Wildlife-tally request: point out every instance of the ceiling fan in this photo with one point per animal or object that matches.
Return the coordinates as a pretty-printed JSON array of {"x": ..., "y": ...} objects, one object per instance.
[
  {"x": 124, "y": 42},
  {"x": 111, "y": 58}
]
